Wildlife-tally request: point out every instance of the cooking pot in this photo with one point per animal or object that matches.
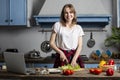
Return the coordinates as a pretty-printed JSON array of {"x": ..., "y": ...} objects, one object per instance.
[
  {"x": 34, "y": 54},
  {"x": 45, "y": 46},
  {"x": 11, "y": 50}
]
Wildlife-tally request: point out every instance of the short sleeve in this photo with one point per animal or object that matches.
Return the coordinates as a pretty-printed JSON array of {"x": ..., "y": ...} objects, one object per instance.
[
  {"x": 81, "y": 32},
  {"x": 56, "y": 27}
]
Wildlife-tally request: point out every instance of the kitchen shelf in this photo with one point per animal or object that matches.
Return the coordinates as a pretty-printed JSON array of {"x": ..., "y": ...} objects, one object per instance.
[
  {"x": 85, "y": 30},
  {"x": 84, "y": 20}
]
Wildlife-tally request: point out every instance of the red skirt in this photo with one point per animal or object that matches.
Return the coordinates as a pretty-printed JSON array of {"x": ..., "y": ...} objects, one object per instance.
[{"x": 69, "y": 55}]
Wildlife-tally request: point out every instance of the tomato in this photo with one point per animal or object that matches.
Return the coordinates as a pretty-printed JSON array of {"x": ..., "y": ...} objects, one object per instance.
[
  {"x": 64, "y": 72},
  {"x": 97, "y": 71},
  {"x": 71, "y": 72},
  {"x": 91, "y": 70},
  {"x": 68, "y": 72},
  {"x": 109, "y": 72},
  {"x": 111, "y": 62}
]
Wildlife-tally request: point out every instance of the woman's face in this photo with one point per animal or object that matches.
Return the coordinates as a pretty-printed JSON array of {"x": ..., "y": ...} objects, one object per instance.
[{"x": 68, "y": 14}]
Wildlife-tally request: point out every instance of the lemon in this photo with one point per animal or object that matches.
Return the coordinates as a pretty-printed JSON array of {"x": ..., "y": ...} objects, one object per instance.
[{"x": 102, "y": 62}]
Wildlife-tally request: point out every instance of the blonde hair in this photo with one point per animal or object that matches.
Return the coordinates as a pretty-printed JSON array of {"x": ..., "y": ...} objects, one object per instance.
[{"x": 62, "y": 18}]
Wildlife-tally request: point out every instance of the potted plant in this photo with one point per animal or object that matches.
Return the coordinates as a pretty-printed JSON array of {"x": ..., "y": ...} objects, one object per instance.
[{"x": 114, "y": 39}]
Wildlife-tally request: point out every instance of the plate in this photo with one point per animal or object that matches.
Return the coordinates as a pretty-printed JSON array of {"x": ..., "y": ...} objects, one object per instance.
[{"x": 54, "y": 70}]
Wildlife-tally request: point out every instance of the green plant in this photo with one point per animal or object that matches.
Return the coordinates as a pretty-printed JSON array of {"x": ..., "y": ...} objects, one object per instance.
[{"x": 114, "y": 39}]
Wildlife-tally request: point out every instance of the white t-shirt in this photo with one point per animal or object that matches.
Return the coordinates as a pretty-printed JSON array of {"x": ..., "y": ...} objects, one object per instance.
[{"x": 67, "y": 39}]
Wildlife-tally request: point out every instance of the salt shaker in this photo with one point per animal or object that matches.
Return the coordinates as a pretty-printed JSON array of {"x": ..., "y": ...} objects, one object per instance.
[{"x": 115, "y": 67}]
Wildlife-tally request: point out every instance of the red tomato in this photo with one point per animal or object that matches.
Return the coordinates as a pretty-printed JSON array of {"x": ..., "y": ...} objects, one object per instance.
[
  {"x": 68, "y": 72},
  {"x": 64, "y": 72},
  {"x": 111, "y": 62},
  {"x": 97, "y": 71},
  {"x": 109, "y": 72},
  {"x": 91, "y": 70},
  {"x": 71, "y": 72}
]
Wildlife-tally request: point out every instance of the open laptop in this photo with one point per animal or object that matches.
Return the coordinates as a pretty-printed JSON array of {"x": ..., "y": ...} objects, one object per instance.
[{"x": 15, "y": 62}]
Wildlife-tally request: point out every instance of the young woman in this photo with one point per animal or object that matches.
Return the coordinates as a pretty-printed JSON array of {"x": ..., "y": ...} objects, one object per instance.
[{"x": 66, "y": 38}]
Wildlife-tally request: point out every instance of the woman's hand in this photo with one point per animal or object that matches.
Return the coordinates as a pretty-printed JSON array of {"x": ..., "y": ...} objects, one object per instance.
[
  {"x": 73, "y": 62},
  {"x": 63, "y": 57}
]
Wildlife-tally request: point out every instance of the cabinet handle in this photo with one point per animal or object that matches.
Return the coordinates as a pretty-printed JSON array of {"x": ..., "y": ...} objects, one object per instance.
[
  {"x": 11, "y": 20},
  {"x": 6, "y": 20}
]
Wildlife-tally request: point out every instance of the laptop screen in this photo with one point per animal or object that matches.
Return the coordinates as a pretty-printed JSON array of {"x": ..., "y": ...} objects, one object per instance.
[{"x": 15, "y": 62}]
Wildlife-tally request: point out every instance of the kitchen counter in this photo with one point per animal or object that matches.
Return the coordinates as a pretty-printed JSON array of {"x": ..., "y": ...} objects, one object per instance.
[
  {"x": 79, "y": 75},
  {"x": 51, "y": 60}
]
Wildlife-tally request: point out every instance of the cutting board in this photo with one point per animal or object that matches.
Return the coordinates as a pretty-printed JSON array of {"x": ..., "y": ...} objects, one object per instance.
[{"x": 81, "y": 69}]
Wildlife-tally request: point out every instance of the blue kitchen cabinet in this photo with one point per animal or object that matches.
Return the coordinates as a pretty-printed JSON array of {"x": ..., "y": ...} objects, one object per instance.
[
  {"x": 13, "y": 12},
  {"x": 91, "y": 65},
  {"x": 51, "y": 65},
  {"x": 41, "y": 65},
  {"x": 44, "y": 65}
]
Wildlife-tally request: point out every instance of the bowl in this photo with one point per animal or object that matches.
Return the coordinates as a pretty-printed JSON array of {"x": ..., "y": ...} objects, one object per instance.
[
  {"x": 108, "y": 52},
  {"x": 98, "y": 53},
  {"x": 105, "y": 67}
]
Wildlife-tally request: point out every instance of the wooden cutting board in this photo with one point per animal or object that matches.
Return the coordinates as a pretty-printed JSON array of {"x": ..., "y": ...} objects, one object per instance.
[{"x": 81, "y": 69}]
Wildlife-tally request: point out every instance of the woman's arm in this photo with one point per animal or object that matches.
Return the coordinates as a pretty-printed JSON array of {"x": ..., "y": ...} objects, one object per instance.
[
  {"x": 54, "y": 47},
  {"x": 77, "y": 53}
]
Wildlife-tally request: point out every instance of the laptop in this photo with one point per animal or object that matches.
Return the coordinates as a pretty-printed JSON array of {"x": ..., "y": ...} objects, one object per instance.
[{"x": 15, "y": 62}]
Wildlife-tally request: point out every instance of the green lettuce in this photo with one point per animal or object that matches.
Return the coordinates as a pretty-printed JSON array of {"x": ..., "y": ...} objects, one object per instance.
[{"x": 68, "y": 66}]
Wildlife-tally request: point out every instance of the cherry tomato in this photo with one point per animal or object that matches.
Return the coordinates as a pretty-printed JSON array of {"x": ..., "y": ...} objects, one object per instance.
[{"x": 111, "y": 62}]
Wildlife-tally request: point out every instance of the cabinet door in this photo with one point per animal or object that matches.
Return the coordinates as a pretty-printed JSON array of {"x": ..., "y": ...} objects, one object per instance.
[
  {"x": 4, "y": 12},
  {"x": 18, "y": 12},
  {"x": 13, "y": 12},
  {"x": 91, "y": 65}
]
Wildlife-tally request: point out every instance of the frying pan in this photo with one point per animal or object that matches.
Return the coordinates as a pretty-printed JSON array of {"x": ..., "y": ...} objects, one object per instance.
[
  {"x": 45, "y": 46},
  {"x": 91, "y": 41}
]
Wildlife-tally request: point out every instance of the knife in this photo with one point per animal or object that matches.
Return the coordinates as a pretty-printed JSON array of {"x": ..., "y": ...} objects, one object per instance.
[{"x": 65, "y": 62}]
